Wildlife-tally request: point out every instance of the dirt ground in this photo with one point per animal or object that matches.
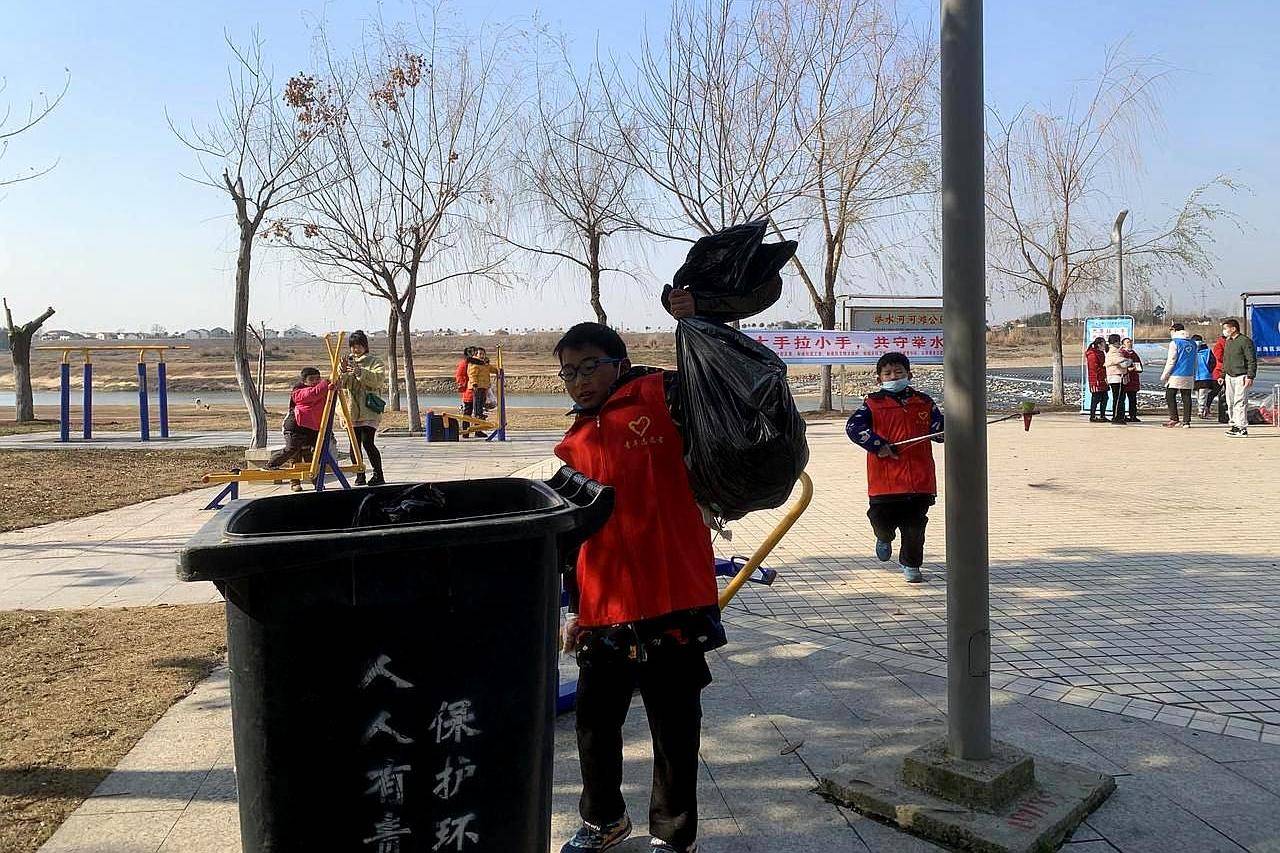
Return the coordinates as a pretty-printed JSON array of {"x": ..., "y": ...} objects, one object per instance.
[
  {"x": 78, "y": 688},
  {"x": 41, "y": 486}
]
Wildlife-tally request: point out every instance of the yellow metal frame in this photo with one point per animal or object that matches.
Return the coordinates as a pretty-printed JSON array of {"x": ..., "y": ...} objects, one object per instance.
[
  {"x": 771, "y": 541},
  {"x": 310, "y": 470}
]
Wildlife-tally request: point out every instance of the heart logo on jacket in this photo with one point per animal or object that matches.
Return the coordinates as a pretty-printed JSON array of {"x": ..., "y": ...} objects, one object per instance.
[{"x": 640, "y": 425}]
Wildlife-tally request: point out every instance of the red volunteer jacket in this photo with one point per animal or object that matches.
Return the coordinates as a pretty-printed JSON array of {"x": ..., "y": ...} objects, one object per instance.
[
  {"x": 653, "y": 556},
  {"x": 1219, "y": 348},
  {"x": 889, "y": 418}
]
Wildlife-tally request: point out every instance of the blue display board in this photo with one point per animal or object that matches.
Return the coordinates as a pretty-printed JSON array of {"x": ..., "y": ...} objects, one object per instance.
[{"x": 1103, "y": 327}]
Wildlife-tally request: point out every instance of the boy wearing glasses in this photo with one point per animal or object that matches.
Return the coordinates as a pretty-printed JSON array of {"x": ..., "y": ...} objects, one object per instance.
[{"x": 643, "y": 592}]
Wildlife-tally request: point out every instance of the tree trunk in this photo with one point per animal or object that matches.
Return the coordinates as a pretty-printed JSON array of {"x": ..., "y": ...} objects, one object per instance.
[
  {"x": 827, "y": 315},
  {"x": 593, "y": 266},
  {"x": 393, "y": 361},
  {"x": 1058, "y": 397},
  {"x": 20, "y": 338},
  {"x": 240, "y": 341},
  {"x": 20, "y": 349},
  {"x": 410, "y": 377}
]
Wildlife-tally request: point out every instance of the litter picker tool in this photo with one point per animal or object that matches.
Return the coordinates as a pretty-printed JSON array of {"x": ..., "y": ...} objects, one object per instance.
[{"x": 1026, "y": 411}]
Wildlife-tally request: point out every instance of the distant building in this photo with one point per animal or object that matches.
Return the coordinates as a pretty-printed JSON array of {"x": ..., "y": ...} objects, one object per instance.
[
  {"x": 219, "y": 332},
  {"x": 271, "y": 333},
  {"x": 296, "y": 332},
  {"x": 62, "y": 335},
  {"x": 196, "y": 334}
]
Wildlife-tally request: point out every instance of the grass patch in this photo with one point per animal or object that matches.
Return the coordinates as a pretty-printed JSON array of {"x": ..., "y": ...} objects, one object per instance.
[
  {"x": 78, "y": 688},
  {"x": 41, "y": 486}
]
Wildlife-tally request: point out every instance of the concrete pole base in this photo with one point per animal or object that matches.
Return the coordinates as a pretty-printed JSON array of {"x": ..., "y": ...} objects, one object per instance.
[{"x": 1014, "y": 803}]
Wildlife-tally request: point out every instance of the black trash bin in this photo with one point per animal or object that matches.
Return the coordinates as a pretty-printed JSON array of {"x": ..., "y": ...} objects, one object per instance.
[{"x": 394, "y": 687}]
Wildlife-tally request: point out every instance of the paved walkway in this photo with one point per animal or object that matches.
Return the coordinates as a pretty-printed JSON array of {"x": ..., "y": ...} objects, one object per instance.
[
  {"x": 126, "y": 557},
  {"x": 122, "y": 441},
  {"x": 776, "y": 716},
  {"x": 1125, "y": 578}
]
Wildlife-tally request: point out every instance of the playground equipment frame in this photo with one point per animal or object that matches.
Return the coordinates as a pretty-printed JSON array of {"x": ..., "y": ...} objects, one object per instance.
[
  {"x": 144, "y": 409},
  {"x": 457, "y": 425},
  {"x": 323, "y": 462}
]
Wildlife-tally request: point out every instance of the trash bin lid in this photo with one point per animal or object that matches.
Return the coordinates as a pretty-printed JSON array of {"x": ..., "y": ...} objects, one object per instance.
[{"x": 289, "y": 532}]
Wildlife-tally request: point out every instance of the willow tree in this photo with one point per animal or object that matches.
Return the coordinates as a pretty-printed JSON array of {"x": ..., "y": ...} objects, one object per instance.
[{"x": 1053, "y": 189}]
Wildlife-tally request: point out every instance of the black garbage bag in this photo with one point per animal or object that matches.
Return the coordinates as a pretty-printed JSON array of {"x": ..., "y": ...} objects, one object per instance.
[
  {"x": 733, "y": 274},
  {"x": 744, "y": 438},
  {"x": 418, "y": 503}
]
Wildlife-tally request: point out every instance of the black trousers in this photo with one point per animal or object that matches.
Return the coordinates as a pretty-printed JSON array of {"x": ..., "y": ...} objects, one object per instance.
[
  {"x": 670, "y": 686},
  {"x": 299, "y": 444},
  {"x": 1098, "y": 404},
  {"x": 1131, "y": 394},
  {"x": 367, "y": 434},
  {"x": 1117, "y": 394},
  {"x": 1171, "y": 397},
  {"x": 910, "y": 515}
]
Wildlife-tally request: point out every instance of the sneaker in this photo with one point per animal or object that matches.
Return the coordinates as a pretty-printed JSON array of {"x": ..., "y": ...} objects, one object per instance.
[
  {"x": 912, "y": 574},
  {"x": 657, "y": 845},
  {"x": 592, "y": 839},
  {"x": 1238, "y": 433},
  {"x": 1234, "y": 431},
  {"x": 1186, "y": 426},
  {"x": 1133, "y": 420},
  {"x": 295, "y": 486},
  {"x": 376, "y": 480},
  {"x": 360, "y": 479},
  {"x": 884, "y": 550},
  {"x": 1118, "y": 421},
  {"x": 1170, "y": 424}
]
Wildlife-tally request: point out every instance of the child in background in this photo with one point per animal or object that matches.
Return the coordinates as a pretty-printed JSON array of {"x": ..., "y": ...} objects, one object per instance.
[
  {"x": 461, "y": 380},
  {"x": 642, "y": 593},
  {"x": 480, "y": 375},
  {"x": 901, "y": 482},
  {"x": 302, "y": 423}
]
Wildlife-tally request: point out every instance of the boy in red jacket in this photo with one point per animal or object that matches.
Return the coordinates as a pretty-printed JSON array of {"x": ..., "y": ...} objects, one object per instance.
[
  {"x": 642, "y": 593},
  {"x": 901, "y": 481}
]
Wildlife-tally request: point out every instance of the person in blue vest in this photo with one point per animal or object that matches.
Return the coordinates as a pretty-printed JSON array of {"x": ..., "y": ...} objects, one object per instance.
[
  {"x": 1204, "y": 374},
  {"x": 1179, "y": 376}
]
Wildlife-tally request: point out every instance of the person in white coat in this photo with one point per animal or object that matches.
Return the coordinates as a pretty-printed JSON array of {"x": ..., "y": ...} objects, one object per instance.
[
  {"x": 1117, "y": 366},
  {"x": 1179, "y": 376}
]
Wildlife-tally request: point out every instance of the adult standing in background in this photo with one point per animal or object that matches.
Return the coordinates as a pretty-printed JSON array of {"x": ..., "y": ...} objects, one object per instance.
[
  {"x": 1239, "y": 368},
  {"x": 1219, "y": 346},
  {"x": 1179, "y": 375},
  {"x": 1117, "y": 367},
  {"x": 461, "y": 380},
  {"x": 1094, "y": 362},
  {"x": 364, "y": 380},
  {"x": 1132, "y": 379}
]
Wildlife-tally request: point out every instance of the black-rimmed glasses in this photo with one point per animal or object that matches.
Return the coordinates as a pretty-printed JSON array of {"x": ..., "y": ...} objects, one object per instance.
[{"x": 584, "y": 368}]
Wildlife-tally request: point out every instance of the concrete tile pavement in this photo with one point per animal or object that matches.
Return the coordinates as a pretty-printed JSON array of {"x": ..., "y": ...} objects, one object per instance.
[
  {"x": 776, "y": 715},
  {"x": 126, "y": 557}
]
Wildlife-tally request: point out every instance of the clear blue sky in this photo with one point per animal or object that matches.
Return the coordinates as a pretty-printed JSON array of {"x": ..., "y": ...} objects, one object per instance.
[{"x": 114, "y": 238}]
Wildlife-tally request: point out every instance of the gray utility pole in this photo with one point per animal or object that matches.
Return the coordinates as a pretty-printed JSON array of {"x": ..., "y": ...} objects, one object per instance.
[
  {"x": 1117, "y": 237},
  {"x": 964, "y": 299}
]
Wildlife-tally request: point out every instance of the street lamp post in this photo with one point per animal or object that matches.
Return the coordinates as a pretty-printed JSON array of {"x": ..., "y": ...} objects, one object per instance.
[{"x": 1117, "y": 237}]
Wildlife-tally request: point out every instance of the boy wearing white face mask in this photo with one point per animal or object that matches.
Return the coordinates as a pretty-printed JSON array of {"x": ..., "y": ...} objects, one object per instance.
[{"x": 901, "y": 481}]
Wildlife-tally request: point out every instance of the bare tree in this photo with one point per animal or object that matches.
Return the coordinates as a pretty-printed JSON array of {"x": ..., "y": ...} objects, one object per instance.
[
  {"x": 37, "y": 111},
  {"x": 574, "y": 170},
  {"x": 705, "y": 121},
  {"x": 1050, "y": 196},
  {"x": 420, "y": 124},
  {"x": 252, "y": 152},
  {"x": 863, "y": 117},
  {"x": 20, "y": 337}
]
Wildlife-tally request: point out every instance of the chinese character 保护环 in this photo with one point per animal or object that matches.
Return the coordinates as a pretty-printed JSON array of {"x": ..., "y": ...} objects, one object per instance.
[
  {"x": 453, "y": 830},
  {"x": 452, "y": 721},
  {"x": 449, "y": 780}
]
